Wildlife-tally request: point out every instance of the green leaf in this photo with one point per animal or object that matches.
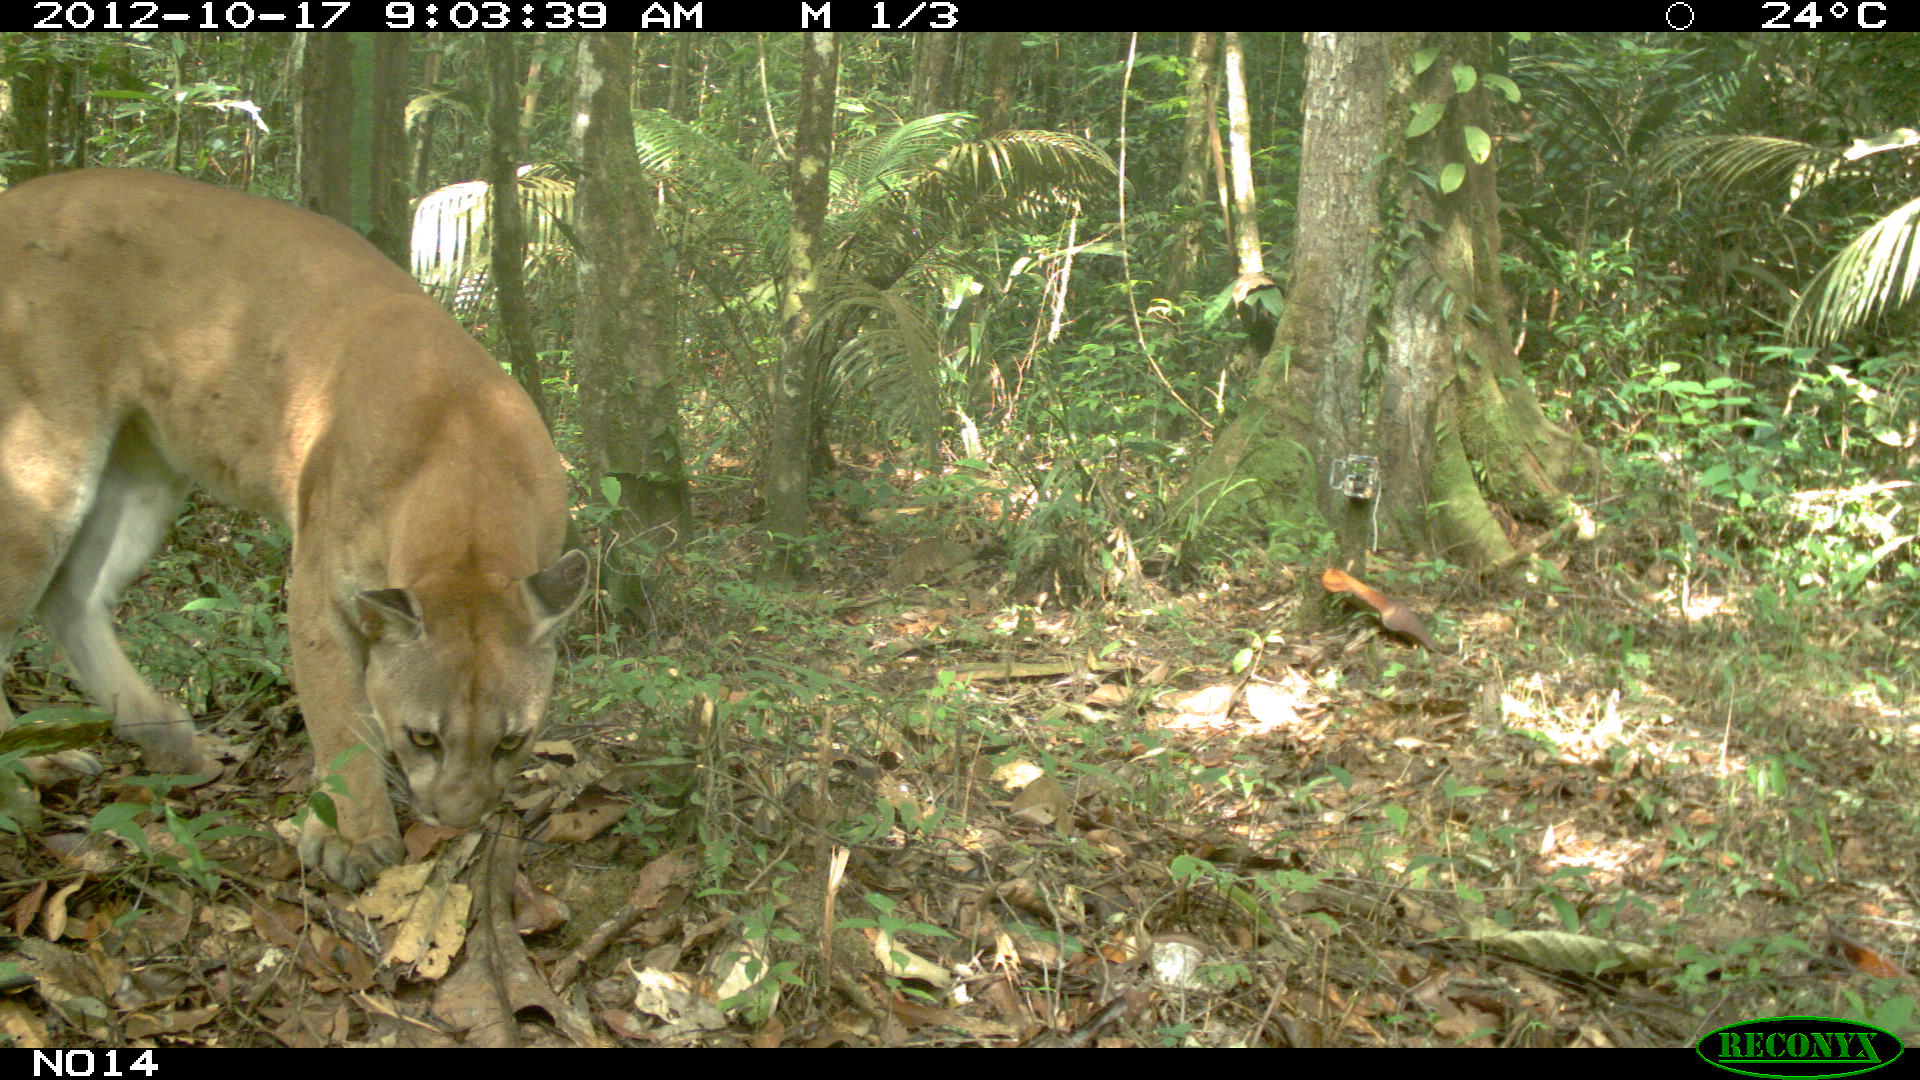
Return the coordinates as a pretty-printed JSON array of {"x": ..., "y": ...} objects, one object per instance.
[
  {"x": 1452, "y": 177},
  {"x": 1426, "y": 116},
  {"x": 1424, "y": 59},
  {"x": 1503, "y": 84},
  {"x": 610, "y": 488},
  {"x": 1464, "y": 78},
  {"x": 123, "y": 820},
  {"x": 324, "y": 809},
  {"x": 1397, "y": 816},
  {"x": 1479, "y": 144}
]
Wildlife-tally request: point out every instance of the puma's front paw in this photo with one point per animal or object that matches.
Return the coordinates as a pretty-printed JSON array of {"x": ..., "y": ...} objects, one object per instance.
[{"x": 352, "y": 863}]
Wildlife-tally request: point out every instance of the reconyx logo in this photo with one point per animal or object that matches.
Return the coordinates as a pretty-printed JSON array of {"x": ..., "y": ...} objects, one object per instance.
[{"x": 1801, "y": 1047}]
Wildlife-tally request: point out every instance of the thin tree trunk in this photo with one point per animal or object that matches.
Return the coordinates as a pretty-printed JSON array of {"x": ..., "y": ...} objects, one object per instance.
[
  {"x": 623, "y": 343},
  {"x": 785, "y": 468},
  {"x": 389, "y": 226},
  {"x": 1246, "y": 201},
  {"x": 932, "y": 89},
  {"x": 421, "y": 129},
  {"x": 1003, "y": 61},
  {"x": 1191, "y": 191},
  {"x": 509, "y": 254},
  {"x": 30, "y": 86},
  {"x": 323, "y": 116}
]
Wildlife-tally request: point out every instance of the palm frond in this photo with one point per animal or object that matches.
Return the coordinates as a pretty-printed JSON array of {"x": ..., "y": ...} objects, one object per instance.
[
  {"x": 1015, "y": 175},
  {"x": 895, "y": 359},
  {"x": 1024, "y": 163},
  {"x": 451, "y": 233},
  {"x": 877, "y": 167},
  {"x": 1725, "y": 162},
  {"x": 1876, "y": 272},
  {"x": 729, "y": 204}
]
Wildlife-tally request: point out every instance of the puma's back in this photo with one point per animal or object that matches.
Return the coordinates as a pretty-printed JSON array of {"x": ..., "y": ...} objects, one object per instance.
[
  {"x": 230, "y": 320},
  {"x": 156, "y": 332}
]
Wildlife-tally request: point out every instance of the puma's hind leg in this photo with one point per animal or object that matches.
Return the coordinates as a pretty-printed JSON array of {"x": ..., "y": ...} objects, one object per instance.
[
  {"x": 48, "y": 467},
  {"x": 132, "y": 507}
]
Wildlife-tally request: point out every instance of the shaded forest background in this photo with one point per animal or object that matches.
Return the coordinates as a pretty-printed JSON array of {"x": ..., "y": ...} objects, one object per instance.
[{"x": 948, "y": 684}]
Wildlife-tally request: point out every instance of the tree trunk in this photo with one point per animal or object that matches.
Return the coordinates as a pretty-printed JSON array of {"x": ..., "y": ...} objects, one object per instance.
[
  {"x": 1450, "y": 403},
  {"x": 1304, "y": 409},
  {"x": 785, "y": 469},
  {"x": 509, "y": 232},
  {"x": 420, "y": 126},
  {"x": 1190, "y": 195},
  {"x": 1246, "y": 201},
  {"x": 323, "y": 115},
  {"x": 69, "y": 127},
  {"x": 623, "y": 338},
  {"x": 1003, "y": 60},
  {"x": 932, "y": 86},
  {"x": 389, "y": 225},
  {"x": 1453, "y": 399},
  {"x": 25, "y": 112}
]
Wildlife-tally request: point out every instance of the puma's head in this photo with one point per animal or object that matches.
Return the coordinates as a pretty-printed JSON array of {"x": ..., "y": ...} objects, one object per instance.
[{"x": 457, "y": 676}]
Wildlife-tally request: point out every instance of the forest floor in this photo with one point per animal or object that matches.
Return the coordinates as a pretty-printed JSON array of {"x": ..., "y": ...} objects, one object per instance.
[{"x": 906, "y": 805}]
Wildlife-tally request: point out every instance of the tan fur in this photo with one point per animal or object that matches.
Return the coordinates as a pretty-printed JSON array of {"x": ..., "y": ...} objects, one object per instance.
[{"x": 156, "y": 332}]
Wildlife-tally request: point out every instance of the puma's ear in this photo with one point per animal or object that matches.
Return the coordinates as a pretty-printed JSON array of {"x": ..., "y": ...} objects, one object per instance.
[
  {"x": 556, "y": 591},
  {"x": 387, "y": 614}
]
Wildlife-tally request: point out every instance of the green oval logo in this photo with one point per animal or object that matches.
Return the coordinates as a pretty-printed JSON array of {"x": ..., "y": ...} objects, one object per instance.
[{"x": 1801, "y": 1047}]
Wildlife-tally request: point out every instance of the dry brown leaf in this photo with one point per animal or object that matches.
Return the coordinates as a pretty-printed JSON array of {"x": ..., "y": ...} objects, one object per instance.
[
  {"x": 535, "y": 910},
  {"x": 1043, "y": 802},
  {"x": 1271, "y": 706},
  {"x": 432, "y": 932},
  {"x": 770, "y": 1035},
  {"x": 25, "y": 909},
  {"x": 421, "y": 840},
  {"x": 1209, "y": 702},
  {"x": 916, "y": 1014},
  {"x": 496, "y": 979},
  {"x": 89, "y": 853},
  {"x": 145, "y": 1025},
  {"x": 589, "y": 817},
  {"x": 671, "y": 998},
  {"x": 391, "y": 896},
  {"x": 278, "y": 924},
  {"x": 77, "y": 985},
  {"x": 737, "y": 968},
  {"x": 53, "y": 919},
  {"x": 27, "y": 1031},
  {"x": 902, "y": 963},
  {"x": 559, "y": 749}
]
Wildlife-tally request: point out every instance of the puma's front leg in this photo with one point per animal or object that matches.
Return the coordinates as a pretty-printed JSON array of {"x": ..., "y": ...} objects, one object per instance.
[{"x": 366, "y": 838}]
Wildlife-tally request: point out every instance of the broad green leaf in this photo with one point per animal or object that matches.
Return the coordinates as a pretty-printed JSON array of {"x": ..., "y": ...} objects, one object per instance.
[
  {"x": 1479, "y": 144},
  {"x": 1426, "y": 116},
  {"x": 1464, "y": 78},
  {"x": 1452, "y": 177},
  {"x": 1424, "y": 59},
  {"x": 1503, "y": 84}
]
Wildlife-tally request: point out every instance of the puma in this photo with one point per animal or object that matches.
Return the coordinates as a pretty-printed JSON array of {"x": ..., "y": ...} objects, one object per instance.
[{"x": 157, "y": 332}]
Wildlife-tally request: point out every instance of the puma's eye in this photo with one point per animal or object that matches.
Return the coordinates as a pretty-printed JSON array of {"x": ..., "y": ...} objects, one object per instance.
[
  {"x": 510, "y": 743},
  {"x": 425, "y": 740}
]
